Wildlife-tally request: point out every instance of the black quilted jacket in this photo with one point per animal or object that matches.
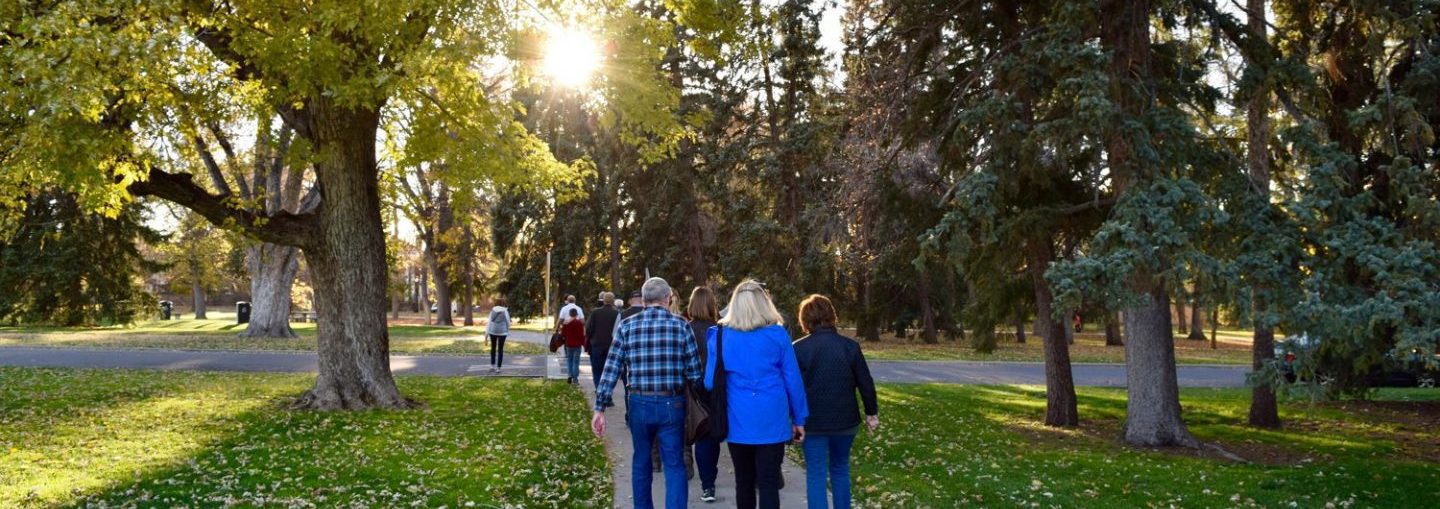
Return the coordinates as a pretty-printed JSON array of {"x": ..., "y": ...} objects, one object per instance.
[{"x": 833, "y": 369}]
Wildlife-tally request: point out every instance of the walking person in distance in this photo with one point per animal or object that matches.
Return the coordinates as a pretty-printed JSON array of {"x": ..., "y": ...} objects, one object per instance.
[
  {"x": 574, "y": 333},
  {"x": 599, "y": 331},
  {"x": 765, "y": 395},
  {"x": 834, "y": 369},
  {"x": 497, "y": 327}
]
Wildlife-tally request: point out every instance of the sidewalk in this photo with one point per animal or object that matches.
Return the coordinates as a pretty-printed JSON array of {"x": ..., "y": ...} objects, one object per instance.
[{"x": 618, "y": 448}]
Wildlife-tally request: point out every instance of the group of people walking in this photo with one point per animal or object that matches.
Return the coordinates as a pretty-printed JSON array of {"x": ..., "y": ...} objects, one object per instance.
[{"x": 776, "y": 392}]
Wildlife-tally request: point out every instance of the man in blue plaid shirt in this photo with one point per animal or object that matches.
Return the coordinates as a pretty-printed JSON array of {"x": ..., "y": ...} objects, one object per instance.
[{"x": 656, "y": 351}]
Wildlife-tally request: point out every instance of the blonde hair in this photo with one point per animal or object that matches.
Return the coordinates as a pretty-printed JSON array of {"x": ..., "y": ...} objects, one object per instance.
[{"x": 751, "y": 308}]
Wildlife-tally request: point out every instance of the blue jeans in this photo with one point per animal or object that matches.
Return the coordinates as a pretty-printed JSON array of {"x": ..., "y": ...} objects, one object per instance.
[
  {"x": 662, "y": 419},
  {"x": 572, "y": 361},
  {"x": 827, "y": 456},
  {"x": 707, "y": 462}
]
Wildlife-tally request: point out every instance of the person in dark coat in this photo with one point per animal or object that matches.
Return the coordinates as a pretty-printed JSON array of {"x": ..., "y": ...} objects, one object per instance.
[
  {"x": 704, "y": 312},
  {"x": 833, "y": 369},
  {"x": 599, "y": 332}
]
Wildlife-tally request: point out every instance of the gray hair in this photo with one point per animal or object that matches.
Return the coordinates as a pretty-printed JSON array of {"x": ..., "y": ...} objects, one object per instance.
[{"x": 655, "y": 290}]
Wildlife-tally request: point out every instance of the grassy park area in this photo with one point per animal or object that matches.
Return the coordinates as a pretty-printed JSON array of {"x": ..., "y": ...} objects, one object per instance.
[
  {"x": 222, "y": 333},
  {"x": 947, "y": 446},
  {"x": 1232, "y": 348},
  {"x": 96, "y": 438},
  {"x": 177, "y": 439}
]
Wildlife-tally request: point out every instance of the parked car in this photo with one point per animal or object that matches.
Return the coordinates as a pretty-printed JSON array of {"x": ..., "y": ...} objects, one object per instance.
[{"x": 1395, "y": 371}]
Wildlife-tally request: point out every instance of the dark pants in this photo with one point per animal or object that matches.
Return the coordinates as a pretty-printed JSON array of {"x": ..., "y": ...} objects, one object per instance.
[
  {"x": 597, "y": 362},
  {"x": 497, "y": 350},
  {"x": 757, "y": 470},
  {"x": 657, "y": 419},
  {"x": 707, "y": 461}
]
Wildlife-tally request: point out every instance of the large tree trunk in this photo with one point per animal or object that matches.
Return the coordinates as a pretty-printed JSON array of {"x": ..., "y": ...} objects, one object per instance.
[
  {"x": 468, "y": 297},
  {"x": 347, "y": 261},
  {"x": 1020, "y": 330},
  {"x": 1112, "y": 330},
  {"x": 1264, "y": 412},
  {"x": 1152, "y": 415},
  {"x": 425, "y": 295},
  {"x": 1060, "y": 404},
  {"x": 1180, "y": 319},
  {"x": 441, "y": 279},
  {"x": 438, "y": 248},
  {"x": 1197, "y": 318},
  {"x": 197, "y": 293},
  {"x": 1069, "y": 327},
  {"x": 272, "y": 270},
  {"x": 928, "y": 332},
  {"x": 868, "y": 327}
]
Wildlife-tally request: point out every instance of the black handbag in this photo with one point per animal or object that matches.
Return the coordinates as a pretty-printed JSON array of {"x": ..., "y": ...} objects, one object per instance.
[
  {"x": 707, "y": 414},
  {"x": 556, "y": 340}
]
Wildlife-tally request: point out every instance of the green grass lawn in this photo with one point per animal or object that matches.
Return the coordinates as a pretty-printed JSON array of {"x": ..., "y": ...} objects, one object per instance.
[
  {"x": 181, "y": 439},
  {"x": 222, "y": 333},
  {"x": 1232, "y": 348},
  {"x": 949, "y": 446}
]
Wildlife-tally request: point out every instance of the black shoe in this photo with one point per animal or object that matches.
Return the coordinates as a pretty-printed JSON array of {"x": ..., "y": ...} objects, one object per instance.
[{"x": 707, "y": 494}]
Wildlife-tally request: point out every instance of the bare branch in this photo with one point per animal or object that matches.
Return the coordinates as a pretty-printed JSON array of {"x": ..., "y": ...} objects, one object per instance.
[{"x": 216, "y": 176}]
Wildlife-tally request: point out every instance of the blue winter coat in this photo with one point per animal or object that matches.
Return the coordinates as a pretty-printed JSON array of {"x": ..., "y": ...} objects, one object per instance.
[{"x": 765, "y": 391}]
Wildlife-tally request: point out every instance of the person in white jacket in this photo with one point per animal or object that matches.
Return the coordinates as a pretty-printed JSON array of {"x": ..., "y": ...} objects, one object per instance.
[
  {"x": 498, "y": 326},
  {"x": 564, "y": 316}
]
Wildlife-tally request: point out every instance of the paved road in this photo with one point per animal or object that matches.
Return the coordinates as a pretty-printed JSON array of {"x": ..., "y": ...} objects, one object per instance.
[
  {"x": 1104, "y": 375},
  {"x": 515, "y": 365},
  {"x": 992, "y": 373}
]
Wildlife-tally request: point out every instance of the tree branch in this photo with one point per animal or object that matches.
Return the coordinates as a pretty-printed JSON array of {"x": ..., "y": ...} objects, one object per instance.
[
  {"x": 217, "y": 177},
  {"x": 1257, "y": 52},
  {"x": 283, "y": 228},
  {"x": 231, "y": 162}
]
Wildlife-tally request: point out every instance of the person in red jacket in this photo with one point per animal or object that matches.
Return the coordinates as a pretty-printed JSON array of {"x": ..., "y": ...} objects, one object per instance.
[{"x": 574, "y": 333}]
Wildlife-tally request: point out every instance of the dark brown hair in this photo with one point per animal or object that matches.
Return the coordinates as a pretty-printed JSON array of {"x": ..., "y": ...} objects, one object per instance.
[
  {"x": 702, "y": 305},
  {"x": 816, "y": 311}
]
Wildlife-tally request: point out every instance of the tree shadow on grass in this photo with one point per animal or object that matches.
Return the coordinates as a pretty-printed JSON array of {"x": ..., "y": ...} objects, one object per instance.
[
  {"x": 942, "y": 444},
  {"x": 488, "y": 442}
]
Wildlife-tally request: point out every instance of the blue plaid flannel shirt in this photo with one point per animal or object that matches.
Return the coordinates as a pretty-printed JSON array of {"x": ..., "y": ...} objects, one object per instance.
[{"x": 656, "y": 351}]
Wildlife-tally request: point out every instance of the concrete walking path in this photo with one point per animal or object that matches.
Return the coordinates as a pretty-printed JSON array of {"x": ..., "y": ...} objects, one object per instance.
[{"x": 619, "y": 449}]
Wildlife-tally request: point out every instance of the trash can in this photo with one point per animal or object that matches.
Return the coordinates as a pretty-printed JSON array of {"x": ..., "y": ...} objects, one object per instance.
[
  {"x": 242, "y": 312},
  {"x": 166, "y": 307}
]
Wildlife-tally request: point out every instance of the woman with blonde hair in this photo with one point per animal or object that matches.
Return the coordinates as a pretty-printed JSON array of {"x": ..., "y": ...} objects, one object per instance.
[{"x": 764, "y": 392}]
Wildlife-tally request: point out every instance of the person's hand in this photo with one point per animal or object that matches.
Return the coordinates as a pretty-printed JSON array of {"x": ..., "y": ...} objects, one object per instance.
[
  {"x": 872, "y": 422},
  {"x": 597, "y": 424},
  {"x": 799, "y": 434}
]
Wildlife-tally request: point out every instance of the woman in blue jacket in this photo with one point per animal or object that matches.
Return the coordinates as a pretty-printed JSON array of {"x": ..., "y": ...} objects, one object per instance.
[{"x": 764, "y": 391}]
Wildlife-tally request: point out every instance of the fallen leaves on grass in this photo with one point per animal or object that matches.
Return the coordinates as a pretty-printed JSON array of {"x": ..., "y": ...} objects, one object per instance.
[{"x": 148, "y": 439}]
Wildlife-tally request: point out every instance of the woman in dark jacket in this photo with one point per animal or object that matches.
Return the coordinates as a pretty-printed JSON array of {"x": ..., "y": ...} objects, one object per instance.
[
  {"x": 833, "y": 369},
  {"x": 704, "y": 312}
]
